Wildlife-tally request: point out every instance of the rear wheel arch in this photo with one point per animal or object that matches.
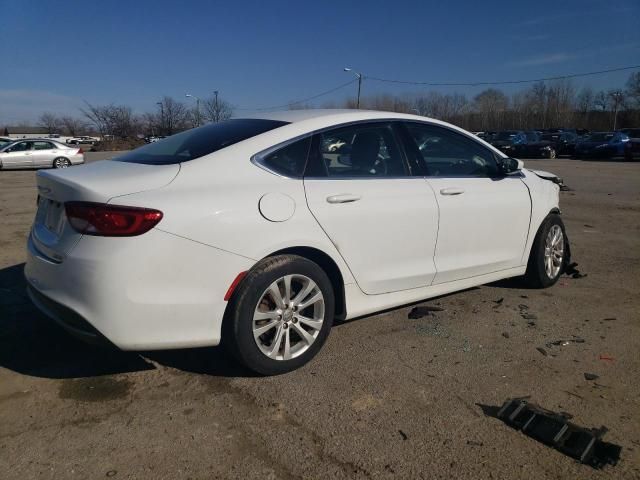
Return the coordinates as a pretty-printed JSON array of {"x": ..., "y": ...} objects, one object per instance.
[{"x": 329, "y": 266}]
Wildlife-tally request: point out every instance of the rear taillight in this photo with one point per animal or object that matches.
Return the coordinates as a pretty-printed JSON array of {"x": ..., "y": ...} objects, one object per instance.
[
  {"x": 80, "y": 151},
  {"x": 110, "y": 220}
]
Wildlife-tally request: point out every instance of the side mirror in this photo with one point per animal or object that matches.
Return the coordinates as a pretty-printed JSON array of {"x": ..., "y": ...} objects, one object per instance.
[{"x": 509, "y": 166}]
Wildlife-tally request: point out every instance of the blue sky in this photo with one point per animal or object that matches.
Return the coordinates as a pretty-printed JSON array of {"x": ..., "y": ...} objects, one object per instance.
[{"x": 262, "y": 53}]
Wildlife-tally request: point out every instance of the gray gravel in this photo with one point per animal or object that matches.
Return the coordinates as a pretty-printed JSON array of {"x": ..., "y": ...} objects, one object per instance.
[{"x": 388, "y": 397}]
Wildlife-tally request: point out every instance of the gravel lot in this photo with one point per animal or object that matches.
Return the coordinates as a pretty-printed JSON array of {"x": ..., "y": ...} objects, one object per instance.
[{"x": 387, "y": 397}]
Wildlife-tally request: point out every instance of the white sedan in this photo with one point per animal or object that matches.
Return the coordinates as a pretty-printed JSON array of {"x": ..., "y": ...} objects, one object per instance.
[
  {"x": 250, "y": 232},
  {"x": 39, "y": 153}
]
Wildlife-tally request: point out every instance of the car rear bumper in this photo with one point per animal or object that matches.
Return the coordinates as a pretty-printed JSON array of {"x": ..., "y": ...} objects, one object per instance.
[{"x": 155, "y": 291}]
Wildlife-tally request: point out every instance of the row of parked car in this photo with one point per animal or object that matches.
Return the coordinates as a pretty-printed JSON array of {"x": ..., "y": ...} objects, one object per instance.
[{"x": 552, "y": 143}]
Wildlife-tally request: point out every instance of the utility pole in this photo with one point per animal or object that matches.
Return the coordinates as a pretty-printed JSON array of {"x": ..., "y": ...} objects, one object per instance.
[
  {"x": 197, "y": 108},
  {"x": 359, "y": 77},
  {"x": 617, "y": 95}
]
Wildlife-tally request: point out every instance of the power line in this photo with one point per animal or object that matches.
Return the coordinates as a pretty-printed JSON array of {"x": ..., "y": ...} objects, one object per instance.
[
  {"x": 503, "y": 82},
  {"x": 284, "y": 105}
]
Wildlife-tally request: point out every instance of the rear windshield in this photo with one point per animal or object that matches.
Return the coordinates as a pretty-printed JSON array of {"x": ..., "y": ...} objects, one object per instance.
[{"x": 198, "y": 142}]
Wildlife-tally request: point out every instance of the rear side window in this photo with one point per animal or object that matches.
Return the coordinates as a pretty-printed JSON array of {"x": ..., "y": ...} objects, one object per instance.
[
  {"x": 288, "y": 161},
  {"x": 199, "y": 142}
]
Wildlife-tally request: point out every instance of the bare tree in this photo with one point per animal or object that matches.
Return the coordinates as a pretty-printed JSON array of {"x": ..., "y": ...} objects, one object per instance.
[
  {"x": 633, "y": 89},
  {"x": 49, "y": 121},
  {"x": 601, "y": 101},
  {"x": 174, "y": 115},
  {"x": 73, "y": 126},
  {"x": 116, "y": 120},
  {"x": 216, "y": 109},
  {"x": 491, "y": 105}
]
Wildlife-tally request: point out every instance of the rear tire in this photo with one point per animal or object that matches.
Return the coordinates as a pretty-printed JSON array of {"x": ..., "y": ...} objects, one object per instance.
[
  {"x": 61, "y": 162},
  {"x": 271, "y": 331},
  {"x": 548, "y": 255}
]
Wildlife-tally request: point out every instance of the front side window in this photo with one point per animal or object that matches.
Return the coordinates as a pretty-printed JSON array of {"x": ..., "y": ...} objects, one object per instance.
[
  {"x": 290, "y": 160},
  {"x": 450, "y": 154},
  {"x": 20, "y": 147},
  {"x": 366, "y": 150},
  {"x": 198, "y": 142}
]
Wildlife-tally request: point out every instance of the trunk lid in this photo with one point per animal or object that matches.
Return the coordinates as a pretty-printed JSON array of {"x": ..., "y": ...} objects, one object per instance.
[{"x": 98, "y": 182}]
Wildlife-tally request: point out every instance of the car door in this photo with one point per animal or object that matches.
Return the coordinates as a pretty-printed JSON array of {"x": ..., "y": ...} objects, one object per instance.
[
  {"x": 43, "y": 153},
  {"x": 379, "y": 216},
  {"x": 17, "y": 156},
  {"x": 484, "y": 216}
]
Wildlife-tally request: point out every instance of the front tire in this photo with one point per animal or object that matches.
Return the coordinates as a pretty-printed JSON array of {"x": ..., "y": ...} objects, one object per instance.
[
  {"x": 280, "y": 315},
  {"x": 548, "y": 253}
]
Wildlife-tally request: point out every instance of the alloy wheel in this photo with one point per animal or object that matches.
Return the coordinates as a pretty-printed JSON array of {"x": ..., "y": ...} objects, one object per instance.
[
  {"x": 288, "y": 317},
  {"x": 61, "y": 163},
  {"x": 554, "y": 251}
]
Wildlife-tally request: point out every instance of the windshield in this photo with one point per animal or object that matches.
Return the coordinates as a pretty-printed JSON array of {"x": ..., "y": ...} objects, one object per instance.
[
  {"x": 198, "y": 142},
  {"x": 600, "y": 137}
]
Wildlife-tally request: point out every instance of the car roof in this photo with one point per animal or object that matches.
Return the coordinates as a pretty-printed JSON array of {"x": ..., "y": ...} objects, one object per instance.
[{"x": 332, "y": 115}]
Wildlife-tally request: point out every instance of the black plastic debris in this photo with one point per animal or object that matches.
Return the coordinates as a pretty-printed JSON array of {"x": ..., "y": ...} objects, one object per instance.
[
  {"x": 572, "y": 271},
  {"x": 542, "y": 351},
  {"x": 591, "y": 376},
  {"x": 555, "y": 430},
  {"x": 423, "y": 311}
]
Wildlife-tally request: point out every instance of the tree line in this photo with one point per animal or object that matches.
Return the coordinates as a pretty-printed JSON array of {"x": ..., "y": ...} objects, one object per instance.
[{"x": 542, "y": 105}]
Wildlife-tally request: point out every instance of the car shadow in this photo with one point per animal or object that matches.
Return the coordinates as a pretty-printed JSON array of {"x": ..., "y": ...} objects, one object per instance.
[{"x": 32, "y": 344}]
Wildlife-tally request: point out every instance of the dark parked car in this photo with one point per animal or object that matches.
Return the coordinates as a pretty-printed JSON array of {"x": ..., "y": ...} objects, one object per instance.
[
  {"x": 535, "y": 147},
  {"x": 634, "y": 142},
  {"x": 604, "y": 145},
  {"x": 507, "y": 140},
  {"x": 564, "y": 143}
]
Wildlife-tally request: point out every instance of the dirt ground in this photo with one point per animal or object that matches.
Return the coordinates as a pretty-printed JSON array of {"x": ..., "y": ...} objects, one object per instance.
[{"x": 387, "y": 397}]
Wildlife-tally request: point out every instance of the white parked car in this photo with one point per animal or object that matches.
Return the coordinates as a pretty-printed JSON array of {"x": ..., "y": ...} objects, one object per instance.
[
  {"x": 82, "y": 140},
  {"x": 39, "y": 153},
  {"x": 247, "y": 231}
]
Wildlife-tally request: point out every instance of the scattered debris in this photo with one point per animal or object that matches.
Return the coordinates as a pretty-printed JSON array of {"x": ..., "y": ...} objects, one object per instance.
[
  {"x": 524, "y": 296},
  {"x": 542, "y": 351},
  {"x": 554, "y": 430},
  {"x": 403, "y": 435},
  {"x": 606, "y": 357},
  {"x": 423, "y": 311},
  {"x": 574, "y": 394},
  {"x": 522, "y": 307},
  {"x": 529, "y": 316},
  {"x": 466, "y": 346},
  {"x": 589, "y": 226},
  {"x": 591, "y": 376},
  {"x": 563, "y": 343},
  {"x": 572, "y": 271},
  {"x": 610, "y": 319},
  {"x": 474, "y": 443},
  {"x": 112, "y": 473},
  {"x": 499, "y": 301},
  {"x": 505, "y": 334}
]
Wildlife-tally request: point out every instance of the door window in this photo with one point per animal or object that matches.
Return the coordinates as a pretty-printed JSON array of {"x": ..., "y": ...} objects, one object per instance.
[
  {"x": 446, "y": 153},
  {"x": 42, "y": 146},
  {"x": 21, "y": 147},
  {"x": 366, "y": 150}
]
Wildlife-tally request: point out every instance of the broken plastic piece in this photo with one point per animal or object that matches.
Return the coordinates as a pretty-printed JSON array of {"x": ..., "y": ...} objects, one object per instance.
[
  {"x": 554, "y": 430},
  {"x": 423, "y": 311}
]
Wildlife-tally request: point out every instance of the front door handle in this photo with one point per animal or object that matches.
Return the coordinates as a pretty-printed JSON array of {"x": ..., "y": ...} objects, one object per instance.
[
  {"x": 343, "y": 198},
  {"x": 451, "y": 191}
]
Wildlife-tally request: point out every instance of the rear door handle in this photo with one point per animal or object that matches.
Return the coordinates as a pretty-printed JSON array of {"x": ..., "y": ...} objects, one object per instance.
[
  {"x": 343, "y": 198},
  {"x": 451, "y": 191}
]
